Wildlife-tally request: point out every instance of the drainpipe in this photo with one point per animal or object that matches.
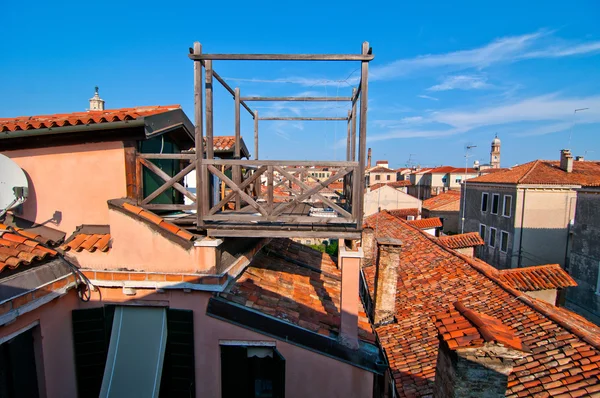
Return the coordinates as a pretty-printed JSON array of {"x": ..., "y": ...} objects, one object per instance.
[{"x": 521, "y": 235}]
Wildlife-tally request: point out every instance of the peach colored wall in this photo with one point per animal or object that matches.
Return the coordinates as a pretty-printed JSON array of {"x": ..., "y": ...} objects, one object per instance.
[
  {"x": 548, "y": 295},
  {"x": 136, "y": 246},
  {"x": 75, "y": 180},
  {"x": 57, "y": 343},
  {"x": 308, "y": 374}
]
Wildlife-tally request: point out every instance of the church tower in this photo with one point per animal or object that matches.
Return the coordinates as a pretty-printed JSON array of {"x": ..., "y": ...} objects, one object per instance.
[
  {"x": 495, "y": 153},
  {"x": 96, "y": 103}
]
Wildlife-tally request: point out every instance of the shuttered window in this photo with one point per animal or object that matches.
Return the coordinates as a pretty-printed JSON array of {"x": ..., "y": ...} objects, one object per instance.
[{"x": 18, "y": 376}]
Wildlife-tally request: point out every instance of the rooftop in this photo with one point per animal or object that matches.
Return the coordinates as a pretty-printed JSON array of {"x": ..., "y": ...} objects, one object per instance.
[
  {"x": 545, "y": 172},
  {"x": 461, "y": 241},
  {"x": 395, "y": 184},
  {"x": 540, "y": 277},
  {"x": 380, "y": 169},
  {"x": 446, "y": 201},
  {"x": 565, "y": 347},
  {"x": 404, "y": 213},
  {"x": 426, "y": 223}
]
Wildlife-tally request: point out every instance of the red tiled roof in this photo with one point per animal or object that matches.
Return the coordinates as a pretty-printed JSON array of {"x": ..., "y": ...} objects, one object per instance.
[
  {"x": 426, "y": 223},
  {"x": 296, "y": 284},
  {"x": 545, "y": 172},
  {"x": 465, "y": 328},
  {"x": 17, "y": 250},
  {"x": 460, "y": 241},
  {"x": 80, "y": 118},
  {"x": 395, "y": 184},
  {"x": 566, "y": 348},
  {"x": 452, "y": 169},
  {"x": 446, "y": 201},
  {"x": 403, "y": 213},
  {"x": 540, "y": 277},
  {"x": 89, "y": 242},
  {"x": 153, "y": 218},
  {"x": 380, "y": 169}
]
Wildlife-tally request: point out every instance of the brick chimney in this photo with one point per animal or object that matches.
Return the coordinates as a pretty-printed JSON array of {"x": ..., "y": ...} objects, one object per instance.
[
  {"x": 369, "y": 159},
  {"x": 566, "y": 160},
  {"x": 476, "y": 354},
  {"x": 386, "y": 280}
]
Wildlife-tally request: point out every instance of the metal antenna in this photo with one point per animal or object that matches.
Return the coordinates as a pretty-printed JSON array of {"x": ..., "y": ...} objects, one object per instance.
[
  {"x": 573, "y": 124},
  {"x": 467, "y": 149}
]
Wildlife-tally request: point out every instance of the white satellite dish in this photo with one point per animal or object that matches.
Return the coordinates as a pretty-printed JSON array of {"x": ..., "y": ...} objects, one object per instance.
[{"x": 13, "y": 185}]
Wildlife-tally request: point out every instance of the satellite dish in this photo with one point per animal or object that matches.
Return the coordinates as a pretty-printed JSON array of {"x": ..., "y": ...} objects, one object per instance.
[{"x": 13, "y": 185}]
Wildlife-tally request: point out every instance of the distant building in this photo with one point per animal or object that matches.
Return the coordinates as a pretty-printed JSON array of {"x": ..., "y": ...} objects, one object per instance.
[
  {"x": 523, "y": 213},
  {"x": 431, "y": 182},
  {"x": 381, "y": 173},
  {"x": 446, "y": 206},
  {"x": 388, "y": 198}
]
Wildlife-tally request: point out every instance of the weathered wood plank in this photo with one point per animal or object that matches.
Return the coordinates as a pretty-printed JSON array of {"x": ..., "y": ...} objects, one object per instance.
[
  {"x": 255, "y": 135},
  {"x": 198, "y": 132},
  {"x": 233, "y": 186},
  {"x": 304, "y": 99},
  {"x": 231, "y": 194},
  {"x": 151, "y": 206},
  {"x": 302, "y": 118},
  {"x": 139, "y": 178},
  {"x": 237, "y": 171},
  {"x": 293, "y": 233},
  {"x": 130, "y": 168},
  {"x": 171, "y": 156},
  {"x": 270, "y": 189},
  {"x": 288, "y": 219},
  {"x": 353, "y": 132},
  {"x": 299, "y": 163},
  {"x": 156, "y": 170},
  {"x": 362, "y": 149},
  {"x": 281, "y": 57},
  {"x": 170, "y": 183}
]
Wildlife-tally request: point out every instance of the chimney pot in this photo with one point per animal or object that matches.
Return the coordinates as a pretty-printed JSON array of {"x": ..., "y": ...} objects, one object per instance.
[
  {"x": 566, "y": 160},
  {"x": 386, "y": 279}
]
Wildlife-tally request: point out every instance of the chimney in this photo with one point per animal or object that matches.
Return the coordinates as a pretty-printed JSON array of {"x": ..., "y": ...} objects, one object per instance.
[
  {"x": 349, "y": 263},
  {"x": 476, "y": 354},
  {"x": 566, "y": 160},
  {"x": 369, "y": 246},
  {"x": 579, "y": 158},
  {"x": 369, "y": 159},
  {"x": 96, "y": 103},
  {"x": 386, "y": 280}
]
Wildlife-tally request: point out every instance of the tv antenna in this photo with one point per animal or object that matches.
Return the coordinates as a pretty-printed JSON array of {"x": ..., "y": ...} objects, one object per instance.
[{"x": 13, "y": 185}]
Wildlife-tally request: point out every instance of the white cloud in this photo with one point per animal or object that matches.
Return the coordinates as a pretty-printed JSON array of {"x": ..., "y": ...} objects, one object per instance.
[
  {"x": 461, "y": 82},
  {"x": 428, "y": 97}
]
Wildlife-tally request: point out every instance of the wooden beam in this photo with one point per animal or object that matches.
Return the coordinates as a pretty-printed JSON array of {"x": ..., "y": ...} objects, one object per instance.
[
  {"x": 362, "y": 148},
  {"x": 356, "y": 93},
  {"x": 230, "y": 216},
  {"x": 130, "y": 168},
  {"x": 170, "y": 183},
  {"x": 353, "y": 138},
  {"x": 231, "y": 91},
  {"x": 282, "y": 57},
  {"x": 240, "y": 192},
  {"x": 169, "y": 207},
  {"x": 156, "y": 170},
  {"x": 231, "y": 194},
  {"x": 237, "y": 170},
  {"x": 348, "y": 136},
  {"x": 274, "y": 233},
  {"x": 255, "y": 135},
  {"x": 270, "y": 189},
  {"x": 139, "y": 179},
  {"x": 170, "y": 156},
  {"x": 209, "y": 110},
  {"x": 314, "y": 119},
  {"x": 198, "y": 134},
  {"x": 303, "y": 99},
  {"x": 300, "y": 163}
]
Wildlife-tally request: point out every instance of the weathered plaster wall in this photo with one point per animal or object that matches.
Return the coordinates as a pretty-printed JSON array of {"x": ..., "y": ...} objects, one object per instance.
[
  {"x": 57, "y": 176},
  {"x": 548, "y": 295},
  {"x": 388, "y": 198}
]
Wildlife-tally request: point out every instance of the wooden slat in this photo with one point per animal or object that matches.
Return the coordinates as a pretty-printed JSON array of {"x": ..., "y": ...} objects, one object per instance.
[
  {"x": 209, "y": 110},
  {"x": 355, "y": 94},
  {"x": 231, "y": 194},
  {"x": 313, "y": 191},
  {"x": 130, "y": 169},
  {"x": 301, "y": 118},
  {"x": 231, "y": 91},
  {"x": 304, "y": 99},
  {"x": 293, "y": 233},
  {"x": 291, "y": 218},
  {"x": 282, "y": 57},
  {"x": 353, "y": 132},
  {"x": 237, "y": 171},
  {"x": 171, "y": 156},
  {"x": 255, "y": 135},
  {"x": 270, "y": 189},
  {"x": 139, "y": 178},
  {"x": 243, "y": 194},
  {"x": 198, "y": 132},
  {"x": 348, "y": 136},
  {"x": 151, "y": 206},
  {"x": 170, "y": 183},
  {"x": 156, "y": 170},
  {"x": 300, "y": 163},
  {"x": 362, "y": 149}
]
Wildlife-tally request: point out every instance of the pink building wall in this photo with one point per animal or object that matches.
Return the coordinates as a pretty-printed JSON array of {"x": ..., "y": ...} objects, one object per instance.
[{"x": 74, "y": 180}]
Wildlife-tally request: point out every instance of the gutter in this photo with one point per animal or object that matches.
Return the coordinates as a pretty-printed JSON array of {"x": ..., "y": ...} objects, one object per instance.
[{"x": 140, "y": 122}]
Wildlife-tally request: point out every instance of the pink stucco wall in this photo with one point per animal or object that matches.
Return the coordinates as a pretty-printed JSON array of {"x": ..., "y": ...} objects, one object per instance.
[
  {"x": 137, "y": 246},
  {"x": 75, "y": 181}
]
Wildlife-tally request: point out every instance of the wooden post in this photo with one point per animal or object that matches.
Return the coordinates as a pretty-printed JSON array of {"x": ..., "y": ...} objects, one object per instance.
[
  {"x": 362, "y": 147},
  {"x": 139, "y": 174},
  {"x": 206, "y": 188},
  {"x": 255, "y": 135},
  {"x": 198, "y": 136},
  {"x": 348, "y": 136},
  {"x": 353, "y": 138},
  {"x": 237, "y": 171}
]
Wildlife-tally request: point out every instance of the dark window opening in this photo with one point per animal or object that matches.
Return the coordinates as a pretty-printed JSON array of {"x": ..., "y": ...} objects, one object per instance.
[
  {"x": 18, "y": 375},
  {"x": 484, "y": 201},
  {"x": 482, "y": 231},
  {"x": 377, "y": 177},
  {"x": 252, "y": 372},
  {"x": 91, "y": 337},
  {"x": 503, "y": 241},
  {"x": 507, "y": 205},
  {"x": 389, "y": 178},
  {"x": 492, "y": 237},
  {"x": 495, "y": 203}
]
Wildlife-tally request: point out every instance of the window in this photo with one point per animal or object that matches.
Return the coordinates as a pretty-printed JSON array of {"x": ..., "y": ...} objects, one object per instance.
[
  {"x": 252, "y": 371},
  {"x": 492, "y": 241},
  {"x": 484, "y": 201},
  {"x": 495, "y": 203},
  {"x": 444, "y": 179},
  {"x": 482, "y": 231},
  {"x": 377, "y": 177},
  {"x": 389, "y": 177},
  {"x": 92, "y": 329},
  {"x": 458, "y": 180},
  {"x": 506, "y": 208},
  {"x": 17, "y": 366},
  {"x": 503, "y": 241}
]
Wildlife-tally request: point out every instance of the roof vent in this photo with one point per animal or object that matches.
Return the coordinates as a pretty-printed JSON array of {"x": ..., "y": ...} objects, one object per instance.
[{"x": 410, "y": 218}]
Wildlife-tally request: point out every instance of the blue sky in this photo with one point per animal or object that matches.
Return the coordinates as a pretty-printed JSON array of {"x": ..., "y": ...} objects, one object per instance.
[{"x": 444, "y": 75}]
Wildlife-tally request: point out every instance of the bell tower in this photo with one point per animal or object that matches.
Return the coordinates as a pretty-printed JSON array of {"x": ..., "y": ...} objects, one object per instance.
[
  {"x": 96, "y": 103},
  {"x": 495, "y": 153}
]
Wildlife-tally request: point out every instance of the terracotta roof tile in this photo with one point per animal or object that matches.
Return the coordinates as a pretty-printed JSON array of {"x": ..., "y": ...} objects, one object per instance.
[
  {"x": 431, "y": 277},
  {"x": 296, "y": 284},
  {"x": 404, "y": 213},
  {"x": 460, "y": 241},
  {"x": 380, "y": 169},
  {"x": 545, "y": 172},
  {"x": 395, "y": 184},
  {"x": 153, "y": 218},
  {"x": 447, "y": 201},
  {"x": 426, "y": 223},
  {"x": 17, "y": 250},
  {"x": 540, "y": 277},
  {"x": 90, "y": 242},
  {"x": 80, "y": 118}
]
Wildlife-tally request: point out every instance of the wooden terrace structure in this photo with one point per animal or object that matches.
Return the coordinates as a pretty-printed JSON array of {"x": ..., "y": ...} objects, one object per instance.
[{"x": 248, "y": 207}]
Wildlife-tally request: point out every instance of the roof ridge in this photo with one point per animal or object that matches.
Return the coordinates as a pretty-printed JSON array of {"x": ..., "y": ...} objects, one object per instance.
[
  {"x": 519, "y": 295},
  {"x": 533, "y": 166}
]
